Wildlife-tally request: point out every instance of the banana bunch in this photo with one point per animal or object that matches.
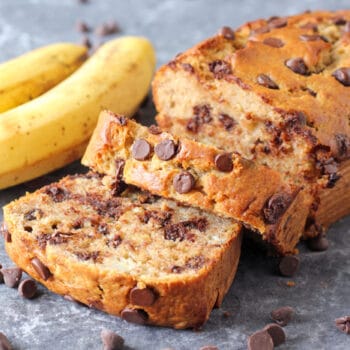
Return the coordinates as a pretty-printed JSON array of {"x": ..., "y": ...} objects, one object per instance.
[
  {"x": 36, "y": 72},
  {"x": 53, "y": 129}
]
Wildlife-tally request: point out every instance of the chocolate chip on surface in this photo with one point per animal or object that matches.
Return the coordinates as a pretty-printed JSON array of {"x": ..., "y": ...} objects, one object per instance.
[
  {"x": 276, "y": 332},
  {"x": 82, "y": 27},
  {"x": 4, "y": 342},
  {"x": 312, "y": 37},
  {"x": 343, "y": 146},
  {"x": 282, "y": 315},
  {"x": 141, "y": 149},
  {"x": 342, "y": 75},
  {"x": 27, "y": 288},
  {"x": 319, "y": 243},
  {"x": 220, "y": 69},
  {"x": 227, "y": 121},
  {"x": 166, "y": 149},
  {"x": 275, "y": 206},
  {"x": 188, "y": 67},
  {"x": 223, "y": 162},
  {"x": 297, "y": 65},
  {"x": 107, "y": 28},
  {"x": 5, "y": 232},
  {"x": 134, "y": 316},
  {"x": 343, "y": 324},
  {"x": 273, "y": 42},
  {"x": 111, "y": 340},
  {"x": 227, "y": 33},
  {"x": 12, "y": 276},
  {"x": 85, "y": 41},
  {"x": 277, "y": 22},
  {"x": 339, "y": 21},
  {"x": 266, "y": 81},
  {"x": 143, "y": 297},
  {"x": 41, "y": 269},
  {"x": 289, "y": 265},
  {"x": 155, "y": 130},
  {"x": 183, "y": 182},
  {"x": 260, "y": 340}
]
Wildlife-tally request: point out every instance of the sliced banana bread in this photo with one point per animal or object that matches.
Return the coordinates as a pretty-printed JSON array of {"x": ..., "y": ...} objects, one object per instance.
[
  {"x": 277, "y": 91},
  {"x": 134, "y": 255},
  {"x": 200, "y": 175}
]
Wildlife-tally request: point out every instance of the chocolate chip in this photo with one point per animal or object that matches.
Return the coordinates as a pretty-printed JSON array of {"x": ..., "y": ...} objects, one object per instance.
[
  {"x": 141, "y": 149},
  {"x": 82, "y": 27},
  {"x": 343, "y": 145},
  {"x": 12, "y": 276},
  {"x": 193, "y": 124},
  {"x": 260, "y": 30},
  {"x": 58, "y": 194},
  {"x": 319, "y": 243},
  {"x": 4, "y": 342},
  {"x": 85, "y": 41},
  {"x": 342, "y": 75},
  {"x": 339, "y": 21},
  {"x": 276, "y": 332},
  {"x": 27, "y": 288},
  {"x": 220, "y": 69},
  {"x": 289, "y": 265},
  {"x": 282, "y": 315},
  {"x": 143, "y": 297},
  {"x": 275, "y": 206},
  {"x": 155, "y": 130},
  {"x": 297, "y": 65},
  {"x": 5, "y": 232},
  {"x": 227, "y": 33},
  {"x": 227, "y": 121},
  {"x": 166, "y": 149},
  {"x": 175, "y": 231},
  {"x": 111, "y": 340},
  {"x": 134, "y": 315},
  {"x": 223, "y": 162},
  {"x": 41, "y": 269},
  {"x": 85, "y": 256},
  {"x": 107, "y": 28},
  {"x": 309, "y": 25},
  {"x": 343, "y": 324},
  {"x": 260, "y": 340},
  {"x": 277, "y": 22},
  {"x": 183, "y": 182},
  {"x": 203, "y": 112},
  {"x": 294, "y": 120},
  {"x": 266, "y": 81},
  {"x": 209, "y": 347},
  {"x": 312, "y": 37},
  {"x": 187, "y": 67},
  {"x": 274, "y": 42},
  {"x": 177, "y": 269}
]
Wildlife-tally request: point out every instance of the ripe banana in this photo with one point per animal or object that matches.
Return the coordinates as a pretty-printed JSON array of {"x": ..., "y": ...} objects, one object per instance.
[
  {"x": 36, "y": 72},
  {"x": 53, "y": 130}
]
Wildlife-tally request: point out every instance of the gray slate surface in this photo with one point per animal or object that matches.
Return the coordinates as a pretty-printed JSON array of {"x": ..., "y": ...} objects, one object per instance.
[{"x": 321, "y": 292}]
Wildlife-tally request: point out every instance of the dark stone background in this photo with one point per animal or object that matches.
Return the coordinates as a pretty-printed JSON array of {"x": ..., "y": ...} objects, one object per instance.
[{"x": 321, "y": 291}]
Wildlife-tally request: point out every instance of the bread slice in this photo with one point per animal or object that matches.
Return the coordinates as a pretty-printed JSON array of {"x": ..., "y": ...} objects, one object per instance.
[
  {"x": 277, "y": 91},
  {"x": 201, "y": 176},
  {"x": 144, "y": 258}
]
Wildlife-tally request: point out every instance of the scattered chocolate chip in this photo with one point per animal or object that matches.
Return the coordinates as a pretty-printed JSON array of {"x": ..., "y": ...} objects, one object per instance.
[
  {"x": 107, "y": 28},
  {"x": 260, "y": 340},
  {"x": 12, "y": 276},
  {"x": 209, "y": 347},
  {"x": 343, "y": 324},
  {"x": 283, "y": 315},
  {"x": 193, "y": 124},
  {"x": 196, "y": 262},
  {"x": 134, "y": 315},
  {"x": 289, "y": 265},
  {"x": 319, "y": 243},
  {"x": 142, "y": 297},
  {"x": 203, "y": 112},
  {"x": 277, "y": 22},
  {"x": 332, "y": 180},
  {"x": 27, "y": 288},
  {"x": 342, "y": 75},
  {"x": 85, "y": 41},
  {"x": 276, "y": 332},
  {"x": 297, "y": 65},
  {"x": 227, "y": 121},
  {"x": 309, "y": 25},
  {"x": 343, "y": 145},
  {"x": 141, "y": 149},
  {"x": 85, "y": 256},
  {"x": 223, "y": 162},
  {"x": 166, "y": 149},
  {"x": 266, "y": 81},
  {"x": 5, "y": 232},
  {"x": 183, "y": 182},
  {"x": 82, "y": 27},
  {"x": 261, "y": 30},
  {"x": 4, "y": 342},
  {"x": 41, "y": 269},
  {"x": 155, "y": 130},
  {"x": 275, "y": 206},
  {"x": 119, "y": 168},
  {"x": 274, "y": 42},
  {"x": 312, "y": 37},
  {"x": 177, "y": 269},
  {"x": 227, "y": 33},
  {"x": 111, "y": 340},
  {"x": 188, "y": 67},
  {"x": 339, "y": 21},
  {"x": 294, "y": 120},
  {"x": 115, "y": 241},
  {"x": 175, "y": 231},
  {"x": 57, "y": 194},
  {"x": 120, "y": 119},
  {"x": 220, "y": 69}
]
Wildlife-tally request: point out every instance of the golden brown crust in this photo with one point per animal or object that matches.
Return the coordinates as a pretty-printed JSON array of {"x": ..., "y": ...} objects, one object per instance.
[
  {"x": 183, "y": 299},
  {"x": 244, "y": 193}
]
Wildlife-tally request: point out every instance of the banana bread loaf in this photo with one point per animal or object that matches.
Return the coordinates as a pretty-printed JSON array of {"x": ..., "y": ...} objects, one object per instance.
[
  {"x": 277, "y": 91},
  {"x": 200, "y": 175},
  {"x": 134, "y": 255}
]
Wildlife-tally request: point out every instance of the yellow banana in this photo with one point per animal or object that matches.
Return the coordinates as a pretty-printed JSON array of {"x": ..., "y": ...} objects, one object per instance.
[
  {"x": 52, "y": 130},
  {"x": 36, "y": 72}
]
